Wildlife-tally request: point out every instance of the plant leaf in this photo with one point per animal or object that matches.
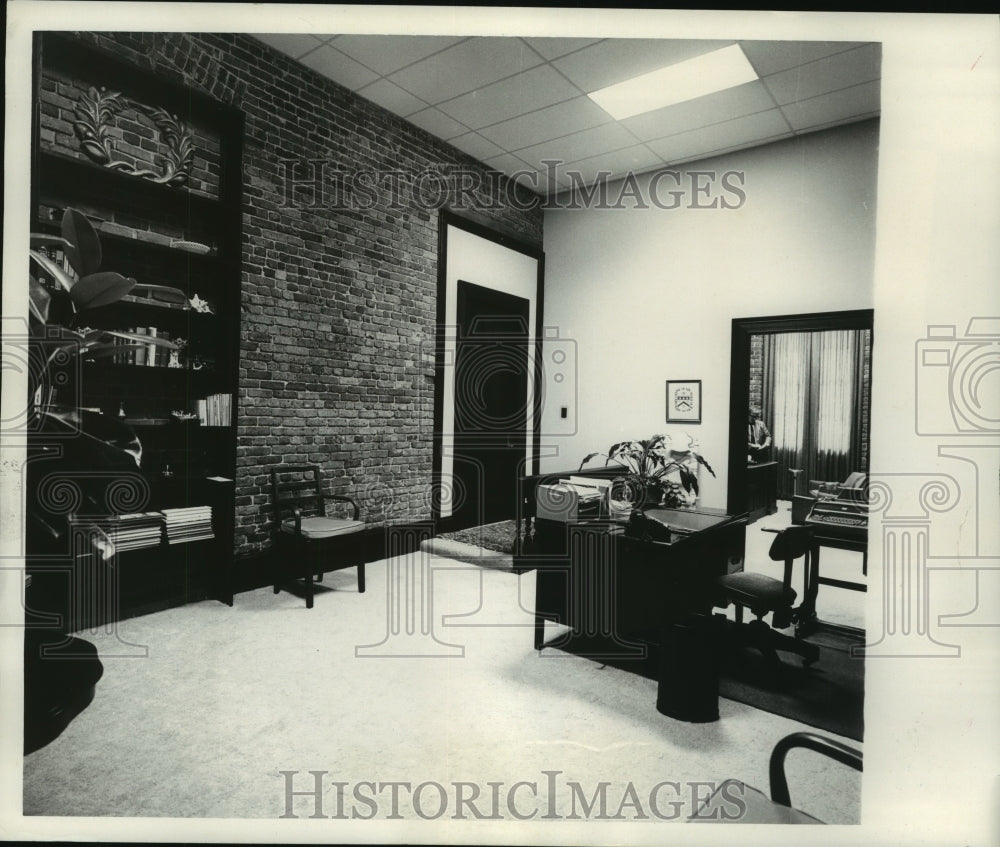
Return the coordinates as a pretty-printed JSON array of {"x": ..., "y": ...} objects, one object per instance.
[
  {"x": 84, "y": 252},
  {"x": 100, "y": 289},
  {"x": 701, "y": 461},
  {"x": 43, "y": 239},
  {"x": 38, "y": 300}
]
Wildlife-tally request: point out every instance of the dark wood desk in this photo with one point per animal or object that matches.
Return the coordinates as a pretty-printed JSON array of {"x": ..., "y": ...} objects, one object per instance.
[
  {"x": 809, "y": 620},
  {"x": 618, "y": 593},
  {"x": 762, "y": 489},
  {"x": 834, "y": 537}
]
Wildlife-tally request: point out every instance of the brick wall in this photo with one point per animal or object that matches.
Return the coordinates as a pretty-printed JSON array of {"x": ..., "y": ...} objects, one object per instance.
[
  {"x": 339, "y": 299},
  {"x": 757, "y": 371}
]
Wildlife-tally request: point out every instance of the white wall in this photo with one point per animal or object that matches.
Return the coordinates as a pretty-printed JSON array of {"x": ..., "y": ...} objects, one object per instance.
[{"x": 650, "y": 294}]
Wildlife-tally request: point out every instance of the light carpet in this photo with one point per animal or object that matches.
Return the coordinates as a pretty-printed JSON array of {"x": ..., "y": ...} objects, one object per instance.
[{"x": 226, "y": 699}]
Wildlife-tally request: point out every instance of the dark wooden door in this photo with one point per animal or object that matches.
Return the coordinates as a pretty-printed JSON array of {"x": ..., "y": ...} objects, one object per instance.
[{"x": 491, "y": 403}]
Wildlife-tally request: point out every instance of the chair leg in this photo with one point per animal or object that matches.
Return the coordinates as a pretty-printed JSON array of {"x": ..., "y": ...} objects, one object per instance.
[
  {"x": 309, "y": 590},
  {"x": 361, "y": 578},
  {"x": 276, "y": 588}
]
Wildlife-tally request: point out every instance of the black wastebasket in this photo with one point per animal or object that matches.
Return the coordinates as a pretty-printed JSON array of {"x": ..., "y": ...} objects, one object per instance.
[{"x": 689, "y": 671}]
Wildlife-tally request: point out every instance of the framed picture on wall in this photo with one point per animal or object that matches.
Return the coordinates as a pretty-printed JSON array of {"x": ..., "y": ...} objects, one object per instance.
[{"x": 684, "y": 401}]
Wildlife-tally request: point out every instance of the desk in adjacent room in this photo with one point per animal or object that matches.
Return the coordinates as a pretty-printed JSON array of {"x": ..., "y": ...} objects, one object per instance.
[{"x": 762, "y": 489}]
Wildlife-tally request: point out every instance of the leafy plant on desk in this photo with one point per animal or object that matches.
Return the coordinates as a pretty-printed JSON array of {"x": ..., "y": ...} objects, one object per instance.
[
  {"x": 80, "y": 455},
  {"x": 653, "y": 475}
]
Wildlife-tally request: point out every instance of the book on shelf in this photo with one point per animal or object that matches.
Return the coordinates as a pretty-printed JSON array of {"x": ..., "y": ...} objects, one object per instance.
[
  {"x": 139, "y": 354},
  {"x": 188, "y": 523},
  {"x": 136, "y": 531},
  {"x": 215, "y": 410}
]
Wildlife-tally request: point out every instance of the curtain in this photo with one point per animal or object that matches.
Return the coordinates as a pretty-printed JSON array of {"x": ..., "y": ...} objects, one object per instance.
[{"x": 813, "y": 391}]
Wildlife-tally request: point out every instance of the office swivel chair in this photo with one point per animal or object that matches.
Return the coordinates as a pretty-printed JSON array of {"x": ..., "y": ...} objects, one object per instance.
[
  {"x": 762, "y": 594},
  {"x": 735, "y": 802}
]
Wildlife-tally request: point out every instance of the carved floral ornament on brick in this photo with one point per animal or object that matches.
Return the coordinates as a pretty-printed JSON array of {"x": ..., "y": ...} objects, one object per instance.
[{"x": 96, "y": 111}]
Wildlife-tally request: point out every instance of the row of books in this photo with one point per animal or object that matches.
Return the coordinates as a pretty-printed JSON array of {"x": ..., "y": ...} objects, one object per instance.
[
  {"x": 193, "y": 523},
  {"x": 141, "y": 530},
  {"x": 134, "y": 352},
  {"x": 216, "y": 410}
]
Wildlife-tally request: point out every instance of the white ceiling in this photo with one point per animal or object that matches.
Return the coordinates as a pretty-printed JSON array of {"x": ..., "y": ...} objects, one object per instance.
[{"x": 514, "y": 102}]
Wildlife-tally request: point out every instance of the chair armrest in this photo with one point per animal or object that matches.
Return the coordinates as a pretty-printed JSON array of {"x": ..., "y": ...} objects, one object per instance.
[
  {"x": 827, "y": 746},
  {"x": 296, "y": 511},
  {"x": 344, "y": 498}
]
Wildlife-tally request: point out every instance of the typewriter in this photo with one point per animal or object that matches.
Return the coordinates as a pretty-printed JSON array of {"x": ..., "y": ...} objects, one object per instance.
[{"x": 845, "y": 515}]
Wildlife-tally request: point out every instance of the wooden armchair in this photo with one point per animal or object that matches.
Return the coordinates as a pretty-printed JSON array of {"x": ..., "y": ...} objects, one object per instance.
[{"x": 307, "y": 541}]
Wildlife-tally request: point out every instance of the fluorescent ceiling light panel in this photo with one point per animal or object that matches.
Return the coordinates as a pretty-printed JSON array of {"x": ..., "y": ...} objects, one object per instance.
[{"x": 705, "y": 74}]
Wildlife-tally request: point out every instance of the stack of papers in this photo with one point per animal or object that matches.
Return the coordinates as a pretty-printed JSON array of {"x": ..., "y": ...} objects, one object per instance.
[
  {"x": 135, "y": 531},
  {"x": 190, "y": 524}
]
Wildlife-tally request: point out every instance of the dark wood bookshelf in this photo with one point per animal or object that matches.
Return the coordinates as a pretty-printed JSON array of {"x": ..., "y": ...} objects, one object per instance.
[{"x": 179, "y": 460}]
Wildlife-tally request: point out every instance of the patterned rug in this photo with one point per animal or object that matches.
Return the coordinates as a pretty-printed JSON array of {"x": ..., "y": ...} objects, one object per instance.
[{"x": 498, "y": 537}]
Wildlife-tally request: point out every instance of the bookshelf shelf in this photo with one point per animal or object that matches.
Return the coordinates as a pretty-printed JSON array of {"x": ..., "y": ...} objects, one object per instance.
[{"x": 151, "y": 231}]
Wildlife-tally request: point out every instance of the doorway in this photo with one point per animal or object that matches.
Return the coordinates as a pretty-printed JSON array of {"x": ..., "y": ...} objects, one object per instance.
[
  {"x": 487, "y": 368},
  {"x": 491, "y": 395},
  {"x": 821, "y": 399}
]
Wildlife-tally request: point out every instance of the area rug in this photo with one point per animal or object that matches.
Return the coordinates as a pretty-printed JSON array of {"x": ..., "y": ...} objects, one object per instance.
[
  {"x": 498, "y": 537},
  {"x": 828, "y": 695},
  {"x": 489, "y": 546}
]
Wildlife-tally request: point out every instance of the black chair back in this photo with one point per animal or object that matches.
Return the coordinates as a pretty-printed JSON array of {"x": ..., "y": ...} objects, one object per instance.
[
  {"x": 791, "y": 543},
  {"x": 297, "y": 486}
]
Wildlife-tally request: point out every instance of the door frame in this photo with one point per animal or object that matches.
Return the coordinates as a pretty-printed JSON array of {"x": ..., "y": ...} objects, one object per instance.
[
  {"x": 447, "y": 218},
  {"x": 739, "y": 380}
]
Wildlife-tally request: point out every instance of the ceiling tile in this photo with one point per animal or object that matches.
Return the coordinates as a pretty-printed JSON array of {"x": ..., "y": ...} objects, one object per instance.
[
  {"x": 712, "y": 108},
  {"x": 750, "y": 129},
  {"x": 338, "y": 67},
  {"x": 476, "y": 146},
  {"x": 545, "y": 124},
  {"x": 579, "y": 145},
  {"x": 533, "y": 89},
  {"x": 438, "y": 123},
  {"x": 862, "y": 64},
  {"x": 608, "y": 62},
  {"x": 553, "y": 48},
  {"x": 390, "y": 96},
  {"x": 637, "y": 159},
  {"x": 769, "y": 57},
  {"x": 465, "y": 67},
  {"x": 858, "y": 101},
  {"x": 294, "y": 44},
  {"x": 387, "y": 53},
  {"x": 508, "y": 163}
]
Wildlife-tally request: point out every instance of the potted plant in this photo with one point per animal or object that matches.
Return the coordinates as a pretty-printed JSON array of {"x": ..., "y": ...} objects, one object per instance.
[
  {"x": 657, "y": 472},
  {"x": 77, "y": 460}
]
